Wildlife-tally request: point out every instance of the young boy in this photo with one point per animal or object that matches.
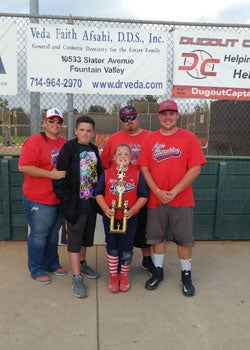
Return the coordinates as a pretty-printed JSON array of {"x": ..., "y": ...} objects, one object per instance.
[
  {"x": 120, "y": 245},
  {"x": 80, "y": 159}
]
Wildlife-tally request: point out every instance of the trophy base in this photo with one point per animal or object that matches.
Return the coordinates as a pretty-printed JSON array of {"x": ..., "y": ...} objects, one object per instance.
[
  {"x": 118, "y": 231},
  {"x": 118, "y": 227}
]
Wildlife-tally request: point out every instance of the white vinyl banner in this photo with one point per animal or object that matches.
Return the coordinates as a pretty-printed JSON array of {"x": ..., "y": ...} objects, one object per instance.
[
  {"x": 80, "y": 59},
  {"x": 212, "y": 65},
  {"x": 8, "y": 59}
]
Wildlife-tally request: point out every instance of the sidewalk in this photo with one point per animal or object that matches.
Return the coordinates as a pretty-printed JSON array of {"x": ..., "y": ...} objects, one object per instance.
[{"x": 49, "y": 317}]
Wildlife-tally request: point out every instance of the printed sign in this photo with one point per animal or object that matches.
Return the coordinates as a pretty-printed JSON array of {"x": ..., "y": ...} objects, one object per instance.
[
  {"x": 80, "y": 59},
  {"x": 212, "y": 65},
  {"x": 8, "y": 59}
]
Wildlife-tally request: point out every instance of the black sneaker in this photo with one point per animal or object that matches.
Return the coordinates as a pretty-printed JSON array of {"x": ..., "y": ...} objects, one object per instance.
[
  {"x": 156, "y": 279},
  {"x": 148, "y": 265},
  {"x": 187, "y": 286}
]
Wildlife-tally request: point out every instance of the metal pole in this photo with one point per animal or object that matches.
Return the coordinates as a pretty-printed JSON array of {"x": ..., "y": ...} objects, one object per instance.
[
  {"x": 70, "y": 117},
  {"x": 70, "y": 108},
  {"x": 118, "y": 117},
  {"x": 35, "y": 122}
]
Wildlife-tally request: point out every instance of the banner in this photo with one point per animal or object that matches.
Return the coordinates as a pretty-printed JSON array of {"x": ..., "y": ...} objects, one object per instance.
[
  {"x": 212, "y": 65},
  {"x": 8, "y": 59},
  {"x": 80, "y": 59}
]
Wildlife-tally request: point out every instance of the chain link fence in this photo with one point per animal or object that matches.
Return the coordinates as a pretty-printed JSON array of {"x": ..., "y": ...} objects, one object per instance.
[{"x": 223, "y": 127}]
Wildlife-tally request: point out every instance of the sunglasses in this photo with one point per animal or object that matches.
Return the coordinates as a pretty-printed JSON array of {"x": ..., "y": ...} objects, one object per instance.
[
  {"x": 54, "y": 120},
  {"x": 131, "y": 117}
]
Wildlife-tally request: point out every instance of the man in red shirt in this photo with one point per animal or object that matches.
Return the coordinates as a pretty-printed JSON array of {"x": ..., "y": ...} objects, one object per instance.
[{"x": 170, "y": 160}]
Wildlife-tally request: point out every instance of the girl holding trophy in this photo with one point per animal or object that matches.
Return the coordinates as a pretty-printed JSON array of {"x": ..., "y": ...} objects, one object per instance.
[{"x": 121, "y": 193}]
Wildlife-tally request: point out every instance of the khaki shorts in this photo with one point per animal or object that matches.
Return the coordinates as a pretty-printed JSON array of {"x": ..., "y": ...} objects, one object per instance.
[{"x": 179, "y": 220}]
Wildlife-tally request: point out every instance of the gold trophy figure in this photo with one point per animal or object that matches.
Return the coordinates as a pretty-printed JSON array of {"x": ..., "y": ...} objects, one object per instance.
[{"x": 118, "y": 222}]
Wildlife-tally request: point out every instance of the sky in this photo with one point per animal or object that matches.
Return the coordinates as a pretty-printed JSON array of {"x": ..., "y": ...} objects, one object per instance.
[{"x": 213, "y": 11}]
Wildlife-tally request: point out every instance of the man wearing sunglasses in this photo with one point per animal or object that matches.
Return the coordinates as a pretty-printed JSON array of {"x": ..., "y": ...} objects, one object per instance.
[{"x": 132, "y": 135}]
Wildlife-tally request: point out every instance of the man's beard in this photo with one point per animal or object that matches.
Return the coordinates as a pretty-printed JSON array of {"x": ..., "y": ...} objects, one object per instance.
[{"x": 130, "y": 128}]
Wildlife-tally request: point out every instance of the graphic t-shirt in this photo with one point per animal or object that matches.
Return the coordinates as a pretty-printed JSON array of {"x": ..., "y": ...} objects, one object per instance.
[{"x": 88, "y": 176}]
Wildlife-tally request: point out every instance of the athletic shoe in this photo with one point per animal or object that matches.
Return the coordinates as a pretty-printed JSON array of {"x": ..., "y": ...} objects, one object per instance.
[
  {"x": 156, "y": 279},
  {"x": 187, "y": 286},
  {"x": 88, "y": 271},
  {"x": 43, "y": 279},
  {"x": 60, "y": 272},
  {"x": 114, "y": 283},
  {"x": 148, "y": 265},
  {"x": 78, "y": 286},
  {"x": 124, "y": 282}
]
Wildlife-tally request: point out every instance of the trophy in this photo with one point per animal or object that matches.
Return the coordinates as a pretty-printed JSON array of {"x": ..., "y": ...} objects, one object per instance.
[{"x": 118, "y": 222}]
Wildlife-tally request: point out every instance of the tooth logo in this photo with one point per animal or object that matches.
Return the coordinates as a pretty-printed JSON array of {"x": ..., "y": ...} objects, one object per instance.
[{"x": 2, "y": 69}]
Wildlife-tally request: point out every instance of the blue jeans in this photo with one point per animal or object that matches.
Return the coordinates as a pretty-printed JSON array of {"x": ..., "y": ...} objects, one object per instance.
[
  {"x": 121, "y": 243},
  {"x": 45, "y": 222}
]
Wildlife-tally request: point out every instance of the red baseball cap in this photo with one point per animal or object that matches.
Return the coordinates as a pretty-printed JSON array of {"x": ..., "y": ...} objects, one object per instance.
[{"x": 168, "y": 105}]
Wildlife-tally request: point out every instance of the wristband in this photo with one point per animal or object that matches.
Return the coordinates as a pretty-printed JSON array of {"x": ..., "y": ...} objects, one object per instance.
[{"x": 157, "y": 191}]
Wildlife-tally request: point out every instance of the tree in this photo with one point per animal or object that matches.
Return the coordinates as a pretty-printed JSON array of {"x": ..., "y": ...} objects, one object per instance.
[
  {"x": 201, "y": 107},
  {"x": 3, "y": 103},
  {"x": 145, "y": 105},
  {"x": 19, "y": 116},
  {"x": 97, "y": 109},
  {"x": 115, "y": 109},
  {"x": 151, "y": 98}
]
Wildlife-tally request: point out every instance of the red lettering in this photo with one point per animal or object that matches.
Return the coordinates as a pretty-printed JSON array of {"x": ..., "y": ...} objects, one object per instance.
[
  {"x": 203, "y": 41},
  {"x": 211, "y": 42},
  {"x": 192, "y": 65},
  {"x": 246, "y": 43},
  {"x": 185, "y": 40},
  {"x": 206, "y": 63}
]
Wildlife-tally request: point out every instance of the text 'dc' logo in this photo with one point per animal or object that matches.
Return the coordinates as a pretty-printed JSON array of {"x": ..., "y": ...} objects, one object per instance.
[{"x": 199, "y": 64}]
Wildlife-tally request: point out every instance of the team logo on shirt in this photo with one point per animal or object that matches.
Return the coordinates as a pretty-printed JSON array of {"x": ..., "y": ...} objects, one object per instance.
[
  {"x": 54, "y": 156},
  {"x": 135, "y": 152},
  {"x": 159, "y": 153},
  {"x": 113, "y": 188}
]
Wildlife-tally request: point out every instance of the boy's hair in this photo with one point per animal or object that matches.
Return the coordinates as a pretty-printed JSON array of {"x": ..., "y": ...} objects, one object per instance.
[
  {"x": 123, "y": 145},
  {"x": 85, "y": 119}
]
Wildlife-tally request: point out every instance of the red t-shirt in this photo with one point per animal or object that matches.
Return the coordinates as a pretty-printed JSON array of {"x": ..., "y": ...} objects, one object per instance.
[
  {"x": 131, "y": 185},
  {"x": 134, "y": 141},
  {"x": 168, "y": 158},
  {"x": 38, "y": 152}
]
